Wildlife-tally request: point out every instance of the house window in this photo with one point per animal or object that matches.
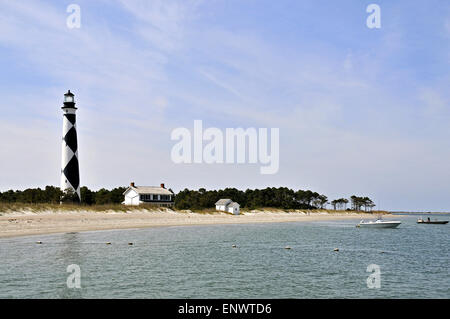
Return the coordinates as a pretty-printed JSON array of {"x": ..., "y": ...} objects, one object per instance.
[
  {"x": 155, "y": 197},
  {"x": 145, "y": 197},
  {"x": 165, "y": 197}
]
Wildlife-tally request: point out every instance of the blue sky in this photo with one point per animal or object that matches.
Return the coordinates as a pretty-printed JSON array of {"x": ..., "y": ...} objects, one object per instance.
[{"x": 361, "y": 111}]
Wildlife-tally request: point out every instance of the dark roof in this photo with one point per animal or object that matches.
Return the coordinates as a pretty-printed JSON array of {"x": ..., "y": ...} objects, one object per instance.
[{"x": 223, "y": 201}]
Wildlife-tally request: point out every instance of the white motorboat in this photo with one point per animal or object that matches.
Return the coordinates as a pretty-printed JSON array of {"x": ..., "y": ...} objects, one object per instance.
[{"x": 379, "y": 223}]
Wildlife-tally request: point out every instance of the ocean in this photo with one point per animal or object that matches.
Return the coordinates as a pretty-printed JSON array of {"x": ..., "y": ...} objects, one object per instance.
[{"x": 201, "y": 262}]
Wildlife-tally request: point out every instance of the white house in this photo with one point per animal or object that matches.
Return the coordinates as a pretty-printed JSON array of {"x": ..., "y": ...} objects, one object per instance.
[
  {"x": 138, "y": 195},
  {"x": 227, "y": 205},
  {"x": 222, "y": 204}
]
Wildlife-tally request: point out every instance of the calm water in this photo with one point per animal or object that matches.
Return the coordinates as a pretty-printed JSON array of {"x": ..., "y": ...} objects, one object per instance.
[{"x": 199, "y": 262}]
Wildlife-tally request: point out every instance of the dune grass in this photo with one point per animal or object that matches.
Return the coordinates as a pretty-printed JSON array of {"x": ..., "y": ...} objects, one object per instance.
[
  {"x": 36, "y": 208},
  {"x": 312, "y": 211},
  {"x": 56, "y": 207}
]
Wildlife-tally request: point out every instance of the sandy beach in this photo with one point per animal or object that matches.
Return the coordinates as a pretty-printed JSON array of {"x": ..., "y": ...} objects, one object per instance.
[{"x": 49, "y": 222}]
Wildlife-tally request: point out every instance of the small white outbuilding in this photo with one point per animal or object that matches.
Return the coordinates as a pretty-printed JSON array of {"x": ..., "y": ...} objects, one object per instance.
[{"x": 227, "y": 205}]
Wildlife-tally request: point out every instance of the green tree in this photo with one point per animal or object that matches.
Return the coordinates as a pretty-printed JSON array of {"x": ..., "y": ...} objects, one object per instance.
[
  {"x": 102, "y": 197},
  {"x": 87, "y": 196},
  {"x": 70, "y": 196}
]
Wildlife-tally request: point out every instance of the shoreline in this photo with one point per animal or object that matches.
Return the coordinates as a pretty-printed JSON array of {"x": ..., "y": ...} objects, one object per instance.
[{"x": 25, "y": 223}]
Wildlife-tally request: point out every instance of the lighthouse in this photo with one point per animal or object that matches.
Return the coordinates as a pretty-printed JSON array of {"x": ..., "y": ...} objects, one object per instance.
[{"x": 70, "y": 173}]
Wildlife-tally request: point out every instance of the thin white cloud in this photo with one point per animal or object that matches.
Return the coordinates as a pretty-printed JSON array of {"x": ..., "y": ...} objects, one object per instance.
[{"x": 220, "y": 83}]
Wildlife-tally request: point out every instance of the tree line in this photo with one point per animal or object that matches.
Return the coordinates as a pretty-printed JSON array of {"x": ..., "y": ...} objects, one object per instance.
[
  {"x": 281, "y": 197},
  {"x": 359, "y": 202},
  {"x": 54, "y": 195}
]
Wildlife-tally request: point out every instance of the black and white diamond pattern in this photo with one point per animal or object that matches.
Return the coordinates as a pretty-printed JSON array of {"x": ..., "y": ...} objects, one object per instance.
[{"x": 70, "y": 174}]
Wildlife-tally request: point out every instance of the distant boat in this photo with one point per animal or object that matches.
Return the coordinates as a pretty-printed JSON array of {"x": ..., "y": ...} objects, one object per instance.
[
  {"x": 441, "y": 222},
  {"x": 379, "y": 223}
]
